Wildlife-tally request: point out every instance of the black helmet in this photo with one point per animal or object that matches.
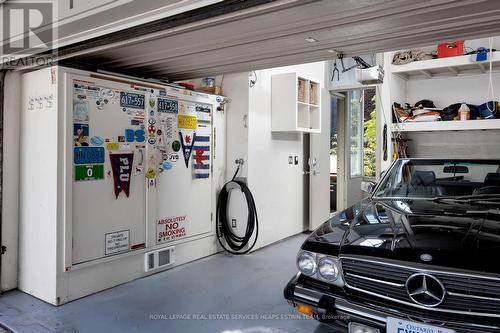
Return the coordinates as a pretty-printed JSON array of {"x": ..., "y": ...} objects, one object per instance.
[{"x": 425, "y": 104}]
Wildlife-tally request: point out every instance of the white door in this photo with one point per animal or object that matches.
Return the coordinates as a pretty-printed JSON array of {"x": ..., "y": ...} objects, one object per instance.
[
  {"x": 185, "y": 156},
  {"x": 108, "y": 210},
  {"x": 319, "y": 168},
  {"x": 353, "y": 146}
]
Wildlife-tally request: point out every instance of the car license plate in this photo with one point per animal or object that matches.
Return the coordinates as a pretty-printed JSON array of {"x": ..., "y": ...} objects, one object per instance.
[{"x": 395, "y": 325}]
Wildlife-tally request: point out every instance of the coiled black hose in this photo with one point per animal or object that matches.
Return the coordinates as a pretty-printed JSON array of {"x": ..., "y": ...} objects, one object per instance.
[{"x": 234, "y": 243}]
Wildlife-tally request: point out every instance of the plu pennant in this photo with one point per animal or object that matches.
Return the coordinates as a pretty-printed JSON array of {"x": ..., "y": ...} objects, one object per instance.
[{"x": 121, "y": 164}]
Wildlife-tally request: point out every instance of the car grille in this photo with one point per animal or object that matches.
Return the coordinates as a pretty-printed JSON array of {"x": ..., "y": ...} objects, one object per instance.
[{"x": 465, "y": 293}]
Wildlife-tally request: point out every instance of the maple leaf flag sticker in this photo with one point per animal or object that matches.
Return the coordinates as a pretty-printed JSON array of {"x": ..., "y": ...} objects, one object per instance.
[{"x": 187, "y": 142}]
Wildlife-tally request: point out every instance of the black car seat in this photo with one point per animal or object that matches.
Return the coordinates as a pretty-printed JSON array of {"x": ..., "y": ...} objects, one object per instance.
[
  {"x": 492, "y": 179},
  {"x": 423, "y": 184},
  {"x": 491, "y": 184}
]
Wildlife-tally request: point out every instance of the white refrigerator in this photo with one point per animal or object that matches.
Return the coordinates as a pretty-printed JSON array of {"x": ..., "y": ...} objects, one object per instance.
[{"x": 118, "y": 180}]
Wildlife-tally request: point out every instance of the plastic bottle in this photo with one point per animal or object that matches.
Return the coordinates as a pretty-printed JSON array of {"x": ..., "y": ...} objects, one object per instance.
[{"x": 464, "y": 112}]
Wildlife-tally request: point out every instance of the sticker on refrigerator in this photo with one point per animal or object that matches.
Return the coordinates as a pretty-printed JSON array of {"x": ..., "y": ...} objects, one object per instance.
[
  {"x": 89, "y": 172},
  {"x": 174, "y": 157},
  {"x": 140, "y": 135},
  {"x": 112, "y": 146},
  {"x": 176, "y": 146},
  {"x": 116, "y": 242},
  {"x": 170, "y": 228},
  {"x": 131, "y": 100},
  {"x": 168, "y": 105},
  {"x": 132, "y": 135},
  {"x": 81, "y": 134},
  {"x": 96, "y": 141},
  {"x": 186, "y": 122},
  {"x": 151, "y": 173},
  {"x": 138, "y": 170},
  {"x": 81, "y": 109},
  {"x": 107, "y": 93},
  {"x": 121, "y": 165},
  {"x": 167, "y": 166},
  {"x": 164, "y": 155},
  {"x": 135, "y": 122},
  {"x": 201, "y": 157},
  {"x": 187, "y": 142},
  {"x": 88, "y": 155}
]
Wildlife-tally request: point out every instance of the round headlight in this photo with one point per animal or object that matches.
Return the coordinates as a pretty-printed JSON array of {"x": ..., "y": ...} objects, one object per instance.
[
  {"x": 328, "y": 268},
  {"x": 306, "y": 262}
]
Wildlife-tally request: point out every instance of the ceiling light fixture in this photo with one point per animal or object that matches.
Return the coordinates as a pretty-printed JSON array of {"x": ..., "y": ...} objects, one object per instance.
[{"x": 311, "y": 40}]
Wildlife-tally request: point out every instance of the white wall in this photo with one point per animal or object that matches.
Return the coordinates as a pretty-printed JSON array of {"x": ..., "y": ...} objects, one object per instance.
[
  {"x": 39, "y": 165},
  {"x": 455, "y": 144},
  {"x": 236, "y": 87},
  {"x": 471, "y": 89},
  {"x": 278, "y": 187},
  {"x": 10, "y": 183}
]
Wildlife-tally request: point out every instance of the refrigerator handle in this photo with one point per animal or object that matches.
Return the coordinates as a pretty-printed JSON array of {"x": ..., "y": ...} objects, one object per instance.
[{"x": 142, "y": 157}]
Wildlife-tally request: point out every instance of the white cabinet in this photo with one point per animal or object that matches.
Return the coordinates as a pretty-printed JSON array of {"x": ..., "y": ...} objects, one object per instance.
[{"x": 295, "y": 104}]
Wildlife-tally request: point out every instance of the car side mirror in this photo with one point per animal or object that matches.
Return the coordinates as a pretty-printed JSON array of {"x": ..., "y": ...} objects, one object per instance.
[{"x": 368, "y": 186}]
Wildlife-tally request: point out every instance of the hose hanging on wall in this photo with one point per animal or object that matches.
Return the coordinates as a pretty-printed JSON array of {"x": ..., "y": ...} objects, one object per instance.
[{"x": 234, "y": 243}]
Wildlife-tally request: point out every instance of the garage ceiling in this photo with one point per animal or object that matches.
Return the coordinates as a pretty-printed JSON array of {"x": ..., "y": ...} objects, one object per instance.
[{"x": 274, "y": 34}]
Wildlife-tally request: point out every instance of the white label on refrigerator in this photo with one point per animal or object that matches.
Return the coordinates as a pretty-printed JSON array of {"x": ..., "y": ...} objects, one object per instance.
[{"x": 117, "y": 242}]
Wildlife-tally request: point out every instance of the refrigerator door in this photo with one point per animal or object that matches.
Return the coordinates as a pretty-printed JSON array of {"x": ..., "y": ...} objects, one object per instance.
[
  {"x": 184, "y": 181},
  {"x": 108, "y": 153}
]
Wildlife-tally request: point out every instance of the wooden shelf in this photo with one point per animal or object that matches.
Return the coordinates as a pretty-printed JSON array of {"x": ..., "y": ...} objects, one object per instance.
[
  {"x": 307, "y": 104},
  {"x": 445, "y": 67},
  {"x": 456, "y": 125}
]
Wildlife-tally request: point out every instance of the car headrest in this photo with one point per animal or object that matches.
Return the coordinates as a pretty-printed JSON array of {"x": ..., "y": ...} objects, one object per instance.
[
  {"x": 492, "y": 179},
  {"x": 423, "y": 178}
]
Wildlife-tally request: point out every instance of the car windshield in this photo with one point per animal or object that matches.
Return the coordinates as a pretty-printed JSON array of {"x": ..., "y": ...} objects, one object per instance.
[{"x": 422, "y": 178}]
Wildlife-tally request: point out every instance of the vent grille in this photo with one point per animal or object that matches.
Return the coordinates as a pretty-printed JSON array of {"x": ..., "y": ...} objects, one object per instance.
[
  {"x": 164, "y": 257},
  {"x": 159, "y": 258},
  {"x": 151, "y": 261}
]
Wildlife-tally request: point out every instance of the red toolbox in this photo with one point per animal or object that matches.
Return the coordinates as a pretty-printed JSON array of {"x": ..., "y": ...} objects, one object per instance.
[{"x": 452, "y": 49}]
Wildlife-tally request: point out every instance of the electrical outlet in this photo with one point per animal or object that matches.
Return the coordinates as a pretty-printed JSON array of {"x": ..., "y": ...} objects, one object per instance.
[
  {"x": 233, "y": 223},
  {"x": 290, "y": 160}
]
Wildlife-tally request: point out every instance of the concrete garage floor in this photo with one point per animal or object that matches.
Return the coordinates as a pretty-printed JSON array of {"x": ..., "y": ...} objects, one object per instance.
[{"x": 219, "y": 285}]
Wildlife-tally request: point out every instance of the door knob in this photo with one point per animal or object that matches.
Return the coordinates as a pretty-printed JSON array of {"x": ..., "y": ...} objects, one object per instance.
[{"x": 306, "y": 172}]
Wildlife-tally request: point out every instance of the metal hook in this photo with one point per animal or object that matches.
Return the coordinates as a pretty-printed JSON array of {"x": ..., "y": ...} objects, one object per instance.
[{"x": 335, "y": 70}]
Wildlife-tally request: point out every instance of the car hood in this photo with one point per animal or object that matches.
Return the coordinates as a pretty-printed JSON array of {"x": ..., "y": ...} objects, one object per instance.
[{"x": 464, "y": 236}]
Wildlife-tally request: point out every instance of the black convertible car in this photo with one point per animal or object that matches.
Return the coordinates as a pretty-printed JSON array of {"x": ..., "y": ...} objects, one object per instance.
[{"x": 421, "y": 255}]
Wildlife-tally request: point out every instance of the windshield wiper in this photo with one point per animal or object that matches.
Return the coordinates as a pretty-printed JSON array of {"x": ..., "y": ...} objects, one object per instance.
[
  {"x": 487, "y": 198},
  {"x": 478, "y": 198}
]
